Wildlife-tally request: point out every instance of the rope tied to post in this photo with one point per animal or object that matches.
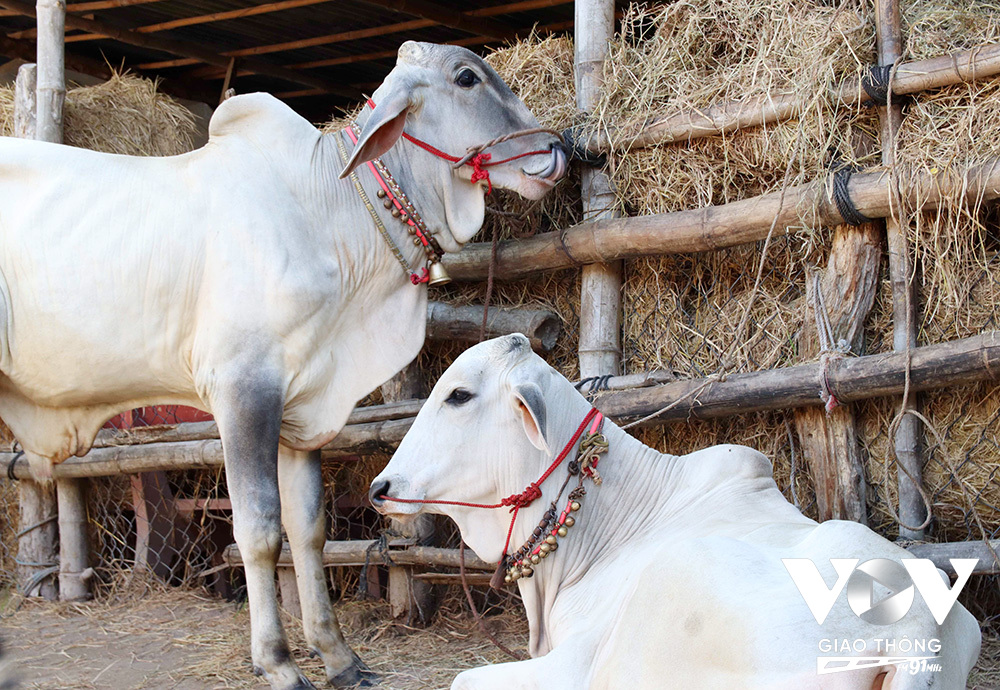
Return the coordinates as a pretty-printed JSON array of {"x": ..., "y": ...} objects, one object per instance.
[{"x": 829, "y": 350}]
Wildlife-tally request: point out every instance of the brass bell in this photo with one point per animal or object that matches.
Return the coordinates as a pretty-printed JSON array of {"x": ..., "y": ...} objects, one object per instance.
[
  {"x": 380, "y": 194},
  {"x": 563, "y": 531},
  {"x": 438, "y": 276},
  {"x": 570, "y": 521},
  {"x": 387, "y": 203},
  {"x": 535, "y": 558}
]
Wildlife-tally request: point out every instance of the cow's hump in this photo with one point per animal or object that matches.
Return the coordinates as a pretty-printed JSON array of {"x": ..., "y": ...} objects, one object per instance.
[{"x": 257, "y": 116}]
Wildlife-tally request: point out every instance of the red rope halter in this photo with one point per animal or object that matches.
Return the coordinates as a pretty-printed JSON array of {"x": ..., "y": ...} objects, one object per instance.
[
  {"x": 525, "y": 498},
  {"x": 479, "y": 162}
]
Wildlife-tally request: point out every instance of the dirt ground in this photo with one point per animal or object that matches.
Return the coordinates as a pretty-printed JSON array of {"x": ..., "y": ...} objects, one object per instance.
[{"x": 174, "y": 640}]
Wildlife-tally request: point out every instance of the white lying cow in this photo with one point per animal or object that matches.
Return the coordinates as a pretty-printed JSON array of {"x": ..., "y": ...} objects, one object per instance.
[
  {"x": 672, "y": 575},
  {"x": 246, "y": 279}
]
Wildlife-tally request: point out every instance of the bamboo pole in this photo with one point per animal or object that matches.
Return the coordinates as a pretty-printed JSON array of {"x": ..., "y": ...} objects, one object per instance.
[
  {"x": 981, "y": 62},
  {"x": 600, "y": 283},
  {"x": 51, "y": 86},
  {"x": 942, "y": 554},
  {"x": 37, "y": 535},
  {"x": 74, "y": 573},
  {"x": 50, "y": 95},
  {"x": 715, "y": 227},
  {"x": 850, "y": 379},
  {"x": 408, "y": 598},
  {"x": 909, "y": 455},
  {"x": 355, "y": 553}
]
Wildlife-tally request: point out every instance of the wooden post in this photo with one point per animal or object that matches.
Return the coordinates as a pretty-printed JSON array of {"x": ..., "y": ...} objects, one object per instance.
[
  {"x": 51, "y": 18},
  {"x": 912, "y": 511},
  {"x": 414, "y": 599},
  {"x": 600, "y": 290},
  {"x": 36, "y": 546},
  {"x": 829, "y": 441},
  {"x": 156, "y": 519},
  {"x": 74, "y": 573},
  {"x": 51, "y": 93}
]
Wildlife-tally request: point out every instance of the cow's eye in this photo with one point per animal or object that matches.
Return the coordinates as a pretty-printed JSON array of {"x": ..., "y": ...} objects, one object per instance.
[
  {"x": 459, "y": 396},
  {"x": 467, "y": 78}
]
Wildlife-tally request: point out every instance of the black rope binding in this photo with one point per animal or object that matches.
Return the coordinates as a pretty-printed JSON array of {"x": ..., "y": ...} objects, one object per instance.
[
  {"x": 580, "y": 153},
  {"x": 842, "y": 196},
  {"x": 875, "y": 82},
  {"x": 10, "y": 466}
]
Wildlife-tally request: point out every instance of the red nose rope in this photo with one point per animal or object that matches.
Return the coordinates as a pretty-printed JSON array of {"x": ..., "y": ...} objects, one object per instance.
[
  {"x": 533, "y": 491},
  {"x": 475, "y": 156}
]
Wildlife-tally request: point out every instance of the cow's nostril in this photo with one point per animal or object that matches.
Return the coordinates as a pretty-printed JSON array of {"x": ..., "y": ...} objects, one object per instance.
[{"x": 378, "y": 490}]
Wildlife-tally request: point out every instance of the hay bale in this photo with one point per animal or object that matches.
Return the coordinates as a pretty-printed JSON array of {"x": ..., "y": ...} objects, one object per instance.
[{"x": 125, "y": 115}]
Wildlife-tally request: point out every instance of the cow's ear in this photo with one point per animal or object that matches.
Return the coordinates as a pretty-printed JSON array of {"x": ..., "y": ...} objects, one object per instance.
[
  {"x": 531, "y": 407},
  {"x": 382, "y": 130}
]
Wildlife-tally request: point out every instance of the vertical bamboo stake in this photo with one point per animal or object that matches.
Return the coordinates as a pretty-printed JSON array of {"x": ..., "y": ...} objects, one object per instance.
[
  {"x": 51, "y": 18},
  {"x": 74, "y": 575},
  {"x": 36, "y": 545},
  {"x": 409, "y": 597},
  {"x": 912, "y": 511},
  {"x": 51, "y": 93},
  {"x": 600, "y": 291}
]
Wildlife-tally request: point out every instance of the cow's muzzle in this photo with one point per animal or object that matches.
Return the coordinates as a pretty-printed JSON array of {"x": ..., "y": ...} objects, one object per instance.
[{"x": 377, "y": 492}]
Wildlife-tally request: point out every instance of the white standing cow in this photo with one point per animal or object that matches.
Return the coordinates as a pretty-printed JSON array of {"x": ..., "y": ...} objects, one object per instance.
[
  {"x": 248, "y": 280},
  {"x": 670, "y": 574}
]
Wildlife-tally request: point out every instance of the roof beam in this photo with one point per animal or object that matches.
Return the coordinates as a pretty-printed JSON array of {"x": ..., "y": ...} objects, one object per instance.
[
  {"x": 475, "y": 40},
  {"x": 215, "y": 73},
  {"x": 448, "y": 17},
  {"x": 89, "y": 6},
  {"x": 25, "y": 50},
  {"x": 182, "y": 48},
  {"x": 302, "y": 43},
  {"x": 209, "y": 18}
]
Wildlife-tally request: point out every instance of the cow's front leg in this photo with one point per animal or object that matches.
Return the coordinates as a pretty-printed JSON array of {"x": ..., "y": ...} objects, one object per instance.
[
  {"x": 301, "y": 481},
  {"x": 248, "y": 413}
]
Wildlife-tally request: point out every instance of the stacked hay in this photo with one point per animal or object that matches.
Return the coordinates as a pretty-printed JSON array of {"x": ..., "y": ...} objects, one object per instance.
[
  {"x": 741, "y": 309},
  {"x": 125, "y": 115}
]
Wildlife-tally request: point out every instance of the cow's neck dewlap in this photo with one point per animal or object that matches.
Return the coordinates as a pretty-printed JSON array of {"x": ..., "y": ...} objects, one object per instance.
[{"x": 395, "y": 200}]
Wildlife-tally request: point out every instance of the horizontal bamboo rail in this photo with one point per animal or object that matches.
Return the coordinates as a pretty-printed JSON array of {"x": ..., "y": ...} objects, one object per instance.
[
  {"x": 716, "y": 227},
  {"x": 912, "y": 77},
  {"x": 354, "y": 553},
  {"x": 849, "y": 379},
  {"x": 357, "y": 552},
  {"x": 379, "y": 429},
  {"x": 940, "y": 553}
]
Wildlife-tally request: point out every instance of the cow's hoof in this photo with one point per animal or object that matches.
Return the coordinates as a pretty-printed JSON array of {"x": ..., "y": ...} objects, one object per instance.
[{"x": 358, "y": 675}]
